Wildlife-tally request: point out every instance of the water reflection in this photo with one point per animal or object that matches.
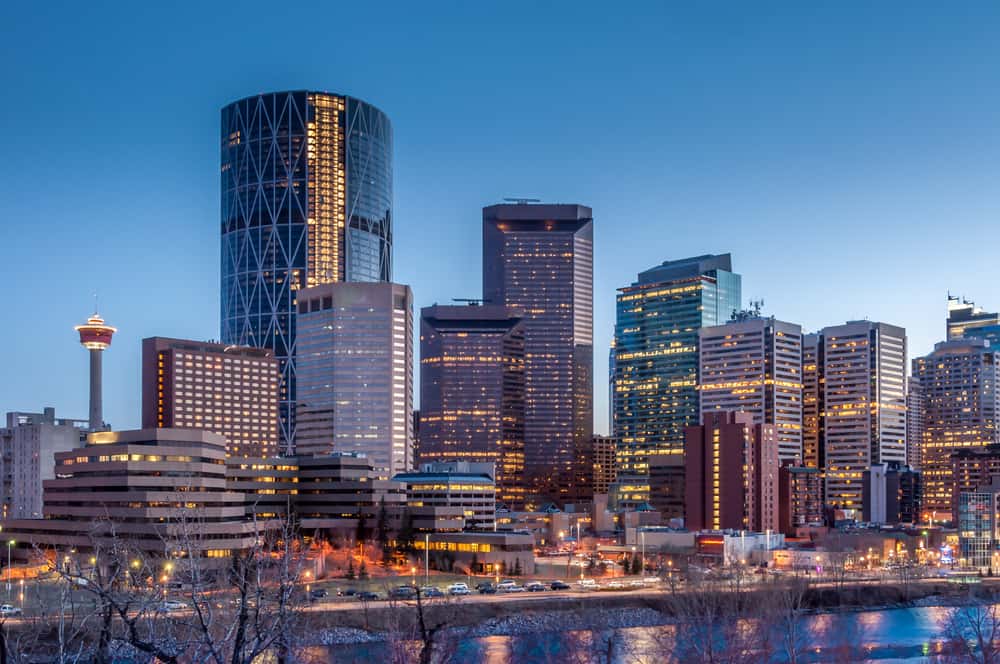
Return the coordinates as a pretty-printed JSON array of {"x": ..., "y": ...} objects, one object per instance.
[{"x": 892, "y": 635}]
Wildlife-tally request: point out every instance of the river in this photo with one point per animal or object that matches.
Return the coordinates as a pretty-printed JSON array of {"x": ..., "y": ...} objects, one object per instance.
[{"x": 887, "y": 636}]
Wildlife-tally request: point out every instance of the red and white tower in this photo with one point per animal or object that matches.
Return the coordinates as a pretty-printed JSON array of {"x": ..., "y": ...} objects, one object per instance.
[{"x": 95, "y": 336}]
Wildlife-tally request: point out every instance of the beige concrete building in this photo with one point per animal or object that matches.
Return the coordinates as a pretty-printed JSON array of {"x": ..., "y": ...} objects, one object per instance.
[
  {"x": 159, "y": 491},
  {"x": 228, "y": 390}
]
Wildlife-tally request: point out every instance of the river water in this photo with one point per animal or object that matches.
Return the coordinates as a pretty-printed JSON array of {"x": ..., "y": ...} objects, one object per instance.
[{"x": 887, "y": 636}]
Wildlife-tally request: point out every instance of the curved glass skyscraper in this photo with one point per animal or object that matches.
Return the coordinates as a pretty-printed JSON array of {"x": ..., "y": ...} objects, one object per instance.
[{"x": 306, "y": 200}]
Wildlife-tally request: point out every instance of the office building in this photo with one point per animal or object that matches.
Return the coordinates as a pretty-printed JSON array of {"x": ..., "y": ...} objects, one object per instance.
[
  {"x": 540, "y": 259},
  {"x": 966, "y": 321},
  {"x": 604, "y": 450},
  {"x": 753, "y": 364},
  {"x": 656, "y": 360},
  {"x": 864, "y": 405},
  {"x": 472, "y": 391},
  {"x": 958, "y": 384},
  {"x": 159, "y": 491},
  {"x": 800, "y": 497},
  {"x": 458, "y": 484},
  {"x": 812, "y": 402},
  {"x": 971, "y": 467},
  {"x": 228, "y": 390},
  {"x": 355, "y": 373},
  {"x": 731, "y": 474},
  {"x": 914, "y": 421},
  {"x": 977, "y": 526},
  {"x": 891, "y": 494},
  {"x": 269, "y": 485},
  {"x": 306, "y": 200},
  {"x": 28, "y": 445}
]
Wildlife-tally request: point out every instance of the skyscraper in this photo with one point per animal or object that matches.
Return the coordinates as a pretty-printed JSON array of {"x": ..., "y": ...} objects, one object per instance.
[
  {"x": 754, "y": 365},
  {"x": 355, "y": 371},
  {"x": 958, "y": 385},
  {"x": 306, "y": 200},
  {"x": 540, "y": 259},
  {"x": 812, "y": 402},
  {"x": 472, "y": 391},
  {"x": 656, "y": 360},
  {"x": 914, "y": 421},
  {"x": 864, "y": 404},
  {"x": 228, "y": 390},
  {"x": 966, "y": 320}
]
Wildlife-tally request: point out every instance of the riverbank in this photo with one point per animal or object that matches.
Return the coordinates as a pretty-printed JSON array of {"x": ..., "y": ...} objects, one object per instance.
[{"x": 641, "y": 608}]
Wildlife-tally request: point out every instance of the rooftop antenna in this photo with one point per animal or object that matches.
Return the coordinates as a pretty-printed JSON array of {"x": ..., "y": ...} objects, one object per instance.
[
  {"x": 472, "y": 301},
  {"x": 522, "y": 201}
]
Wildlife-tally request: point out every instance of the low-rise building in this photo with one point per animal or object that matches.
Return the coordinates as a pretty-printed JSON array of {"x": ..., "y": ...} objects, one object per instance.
[
  {"x": 499, "y": 552},
  {"x": 466, "y": 486}
]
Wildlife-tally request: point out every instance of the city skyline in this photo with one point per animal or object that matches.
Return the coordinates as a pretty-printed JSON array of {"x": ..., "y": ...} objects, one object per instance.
[{"x": 893, "y": 168}]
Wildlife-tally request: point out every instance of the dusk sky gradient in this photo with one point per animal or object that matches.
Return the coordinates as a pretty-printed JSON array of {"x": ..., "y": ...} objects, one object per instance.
[{"x": 845, "y": 154}]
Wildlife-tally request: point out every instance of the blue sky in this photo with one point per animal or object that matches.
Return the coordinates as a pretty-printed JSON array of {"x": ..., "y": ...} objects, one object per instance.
[{"x": 846, "y": 154}]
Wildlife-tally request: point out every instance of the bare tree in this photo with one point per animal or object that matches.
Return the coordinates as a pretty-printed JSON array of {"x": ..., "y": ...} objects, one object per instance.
[{"x": 973, "y": 632}]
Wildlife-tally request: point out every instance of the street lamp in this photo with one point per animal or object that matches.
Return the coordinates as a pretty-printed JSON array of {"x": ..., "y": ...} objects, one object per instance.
[
  {"x": 10, "y": 544},
  {"x": 633, "y": 558},
  {"x": 642, "y": 536},
  {"x": 427, "y": 559}
]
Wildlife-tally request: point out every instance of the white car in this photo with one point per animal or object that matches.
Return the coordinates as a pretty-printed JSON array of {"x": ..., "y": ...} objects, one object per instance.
[
  {"x": 6, "y": 610},
  {"x": 509, "y": 587},
  {"x": 458, "y": 589},
  {"x": 587, "y": 584},
  {"x": 171, "y": 605}
]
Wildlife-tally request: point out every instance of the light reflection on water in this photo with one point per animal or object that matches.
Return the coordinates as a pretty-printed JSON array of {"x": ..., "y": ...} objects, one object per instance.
[{"x": 892, "y": 635}]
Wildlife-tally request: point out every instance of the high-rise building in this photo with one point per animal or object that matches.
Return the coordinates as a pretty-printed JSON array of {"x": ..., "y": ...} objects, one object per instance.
[
  {"x": 971, "y": 467},
  {"x": 864, "y": 405},
  {"x": 229, "y": 390},
  {"x": 812, "y": 402},
  {"x": 95, "y": 336},
  {"x": 540, "y": 259},
  {"x": 472, "y": 391},
  {"x": 604, "y": 452},
  {"x": 656, "y": 360},
  {"x": 914, "y": 421},
  {"x": 978, "y": 531},
  {"x": 961, "y": 402},
  {"x": 754, "y": 365},
  {"x": 966, "y": 320},
  {"x": 354, "y": 360},
  {"x": 306, "y": 200},
  {"x": 731, "y": 474},
  {"x": 28, "y": 445},
  {"x": 800, "y": 497}
]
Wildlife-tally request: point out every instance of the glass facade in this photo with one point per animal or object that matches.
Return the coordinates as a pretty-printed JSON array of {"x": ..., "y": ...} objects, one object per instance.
[
  {"x": 540, "y": 259},
  {"x": 472, "y": 391},
  {"x": 306, "y": 181},
  {"x": 656, "y": 360}
]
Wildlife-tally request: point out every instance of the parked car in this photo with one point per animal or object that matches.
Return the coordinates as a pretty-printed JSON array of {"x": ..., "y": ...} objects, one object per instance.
[
  {"x": 559, "y": 585},
  {"x": 367, "y": 596},
  {"x": 535, "y": 587},
  {"x": 509, "y": 587},
  {"x": 587, "y": 584},
  {"x": 486, "y": 588},
  {"x": 403, "y": 592},
  {"x": 349, "y": 592},
  {"x": 9, "y": 611},
  {"x": 431, "y": 591},
  {"x": 167, "y": 605},
  {"x": 318, "y": 593},
  {"x": 458, "y": 589}
]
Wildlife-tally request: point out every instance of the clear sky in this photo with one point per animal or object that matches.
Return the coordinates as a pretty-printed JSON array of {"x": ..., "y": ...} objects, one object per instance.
[{"x": 846, "y": 154}]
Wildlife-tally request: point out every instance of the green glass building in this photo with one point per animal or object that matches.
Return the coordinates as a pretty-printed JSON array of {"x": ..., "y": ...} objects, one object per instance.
[{"x": 655, "y": 380}]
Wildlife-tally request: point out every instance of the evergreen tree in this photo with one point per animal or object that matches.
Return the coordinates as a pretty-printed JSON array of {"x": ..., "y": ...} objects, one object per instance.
[
  {"x": 517, "y": 567},
  {"x": 404, "y": 539},
  {"x": 474, "y": 565},
  {"x": 503, "y": 568},
  {"x": 350, "y": 568},
  {"x": 361, "y": 534},
  {"x": 636, "y": 565},
  {"x": 382, "y": 531},
  {"x": 363, "y": 570}
]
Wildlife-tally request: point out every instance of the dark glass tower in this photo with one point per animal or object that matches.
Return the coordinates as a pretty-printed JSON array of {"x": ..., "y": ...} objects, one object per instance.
[
  {"x": 472, "y": 391},
  {"x": 540, "y": 259},
  {"x": 306, "y": 200}
]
